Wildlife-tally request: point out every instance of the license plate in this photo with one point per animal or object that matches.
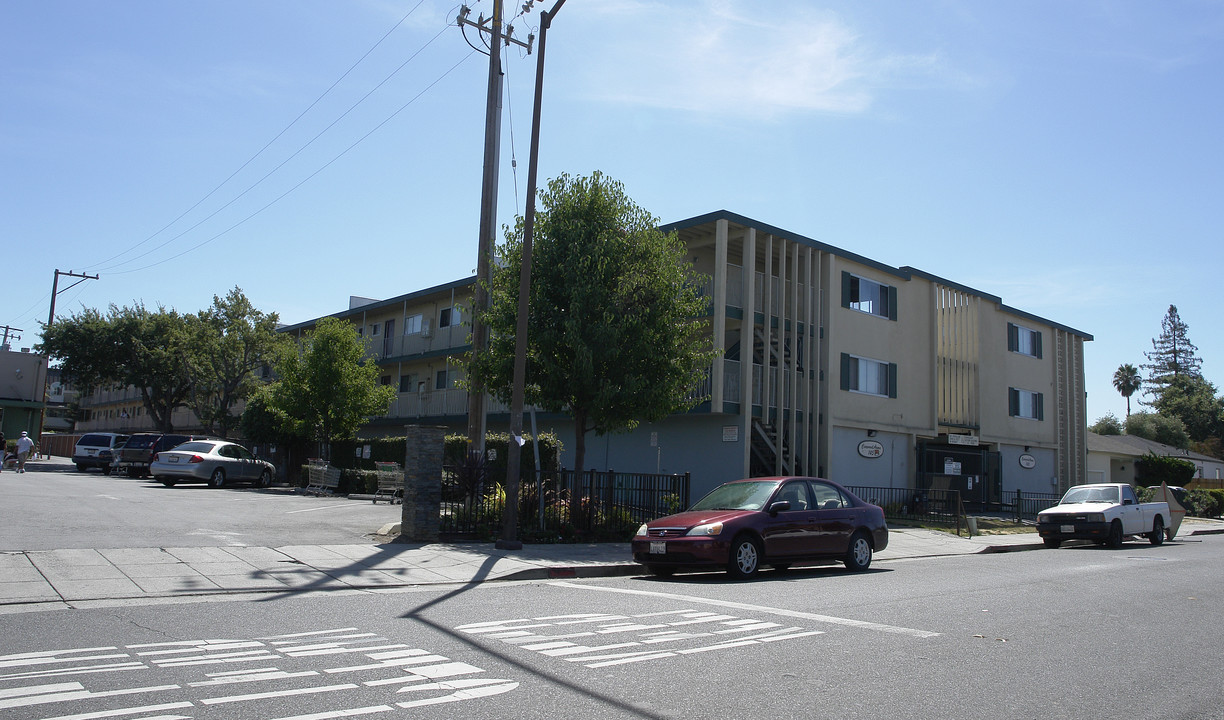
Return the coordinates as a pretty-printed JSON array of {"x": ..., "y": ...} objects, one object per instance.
[
  {"x": 658, "y": 548},
  {"x": 172, "y": 458},
  {"x": 1067, "y": 528},
  {"x": 93, "y": 453}
]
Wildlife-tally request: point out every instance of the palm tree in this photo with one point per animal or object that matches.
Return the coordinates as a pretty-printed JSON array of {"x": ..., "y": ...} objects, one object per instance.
[{"x": 1127, "y": 381}]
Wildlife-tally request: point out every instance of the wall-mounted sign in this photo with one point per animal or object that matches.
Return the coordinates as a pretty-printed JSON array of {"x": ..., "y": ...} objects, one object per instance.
[
  {"x": 971, "y": 440},
  {"x": 951, "y": 467},
  {"x": 1028, "y": 462},
  {"x": 870, "y": 449},
  {"x": 730, "y": 433}
]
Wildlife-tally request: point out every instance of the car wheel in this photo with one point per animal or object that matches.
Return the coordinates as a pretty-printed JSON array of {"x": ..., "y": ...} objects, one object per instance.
[
  {"x": 1052, "y": 542},
  {"x": 106, "y": 470},
  {"x": 218, "y": 478},
  {"x": 745, "y": 557},
  {"x": 265, "y": 479},
  {"x": 167, "y": 483},
  {"x": 1115, "y": 535},
  {"x": 1156, "y": 537},
  {"x": 81, "y": 468},
  {"x": 661, "y": 570},
  {"x": 858, "y": 555}
]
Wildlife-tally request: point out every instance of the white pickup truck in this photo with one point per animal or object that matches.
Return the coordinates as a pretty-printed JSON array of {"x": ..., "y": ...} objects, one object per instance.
[{"x": 1107, "y": 513}]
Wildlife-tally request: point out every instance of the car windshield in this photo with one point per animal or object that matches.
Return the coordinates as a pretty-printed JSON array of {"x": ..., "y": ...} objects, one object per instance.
[
  {"x": 737, "y": 496},
  {"x": 1090, "y": 495}
]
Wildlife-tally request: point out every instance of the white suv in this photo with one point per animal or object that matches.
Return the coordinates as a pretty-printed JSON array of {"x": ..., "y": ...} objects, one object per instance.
[{"x": 97, "y": 450}]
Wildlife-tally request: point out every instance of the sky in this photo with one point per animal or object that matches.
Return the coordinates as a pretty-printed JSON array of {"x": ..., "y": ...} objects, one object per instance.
[{"x": 1066, "y": 156}]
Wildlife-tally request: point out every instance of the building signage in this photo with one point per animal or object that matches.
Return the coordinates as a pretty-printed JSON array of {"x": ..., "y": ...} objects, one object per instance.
[
  {"x": 870, "y": 449},
  {"x": 951, "y": 467},
  {"x": 1028, "y": 462},
  {"x": 971, "y": 440},
  {"x": 730, "y": 433}
]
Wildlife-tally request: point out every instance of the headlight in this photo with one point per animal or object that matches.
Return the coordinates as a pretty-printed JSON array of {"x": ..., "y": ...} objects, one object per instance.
[
  {"x": 709, "y": 529},
  {"x": 643, "y": 531},
  {"x": 1095, "y": 517}
]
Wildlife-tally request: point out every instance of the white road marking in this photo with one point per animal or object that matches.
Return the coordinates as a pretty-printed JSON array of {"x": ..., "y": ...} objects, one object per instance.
[
  {"x": 861, "y": 624},
  {"x": 432, "y": 679},
  {"x": 130, "y": 711},
  {"x": 277, "y": 693}
]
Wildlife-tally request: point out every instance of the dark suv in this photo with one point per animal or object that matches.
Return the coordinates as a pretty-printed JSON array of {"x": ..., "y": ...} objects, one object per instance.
[{"x": 136, "y": 454}]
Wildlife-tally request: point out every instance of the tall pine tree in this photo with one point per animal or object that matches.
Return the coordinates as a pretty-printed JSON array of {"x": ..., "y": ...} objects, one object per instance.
[{"x": 1172, "y": 357}]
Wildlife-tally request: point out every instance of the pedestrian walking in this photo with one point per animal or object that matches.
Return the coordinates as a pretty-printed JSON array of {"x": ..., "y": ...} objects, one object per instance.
[
  {"x": 3, "y": 451},
  {"x": 24, "y": 446}
]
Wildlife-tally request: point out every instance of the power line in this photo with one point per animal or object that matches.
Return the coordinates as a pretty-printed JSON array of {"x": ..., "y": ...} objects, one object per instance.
[
  {"x": 103, "y": 264},
  {"x": 280, "y": 197}
]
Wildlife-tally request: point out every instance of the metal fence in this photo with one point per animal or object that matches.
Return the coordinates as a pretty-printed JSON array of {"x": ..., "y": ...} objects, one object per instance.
[
  {"x": 1025, "y": 505},
  {"x": 936, "y": 507},
  {"x": 562, "y": 505}
]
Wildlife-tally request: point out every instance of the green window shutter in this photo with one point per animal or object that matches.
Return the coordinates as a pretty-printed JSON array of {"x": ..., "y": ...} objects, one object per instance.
[
  {"x": 1039, "y": 401},
  {"x": 846, "y": 280},
  {"x": 891, "y": 293},
  {"x": 1037, "y": 344},
  {"x": 845, "y": 371},
  {"x": 1013, "y": 402},
  {"x": 892, "y": 380},
  {"x": 1013, "y": 338}
]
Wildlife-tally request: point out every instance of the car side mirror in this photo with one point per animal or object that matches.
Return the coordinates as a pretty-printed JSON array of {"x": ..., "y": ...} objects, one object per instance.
[{"x": 780, "y": 506}]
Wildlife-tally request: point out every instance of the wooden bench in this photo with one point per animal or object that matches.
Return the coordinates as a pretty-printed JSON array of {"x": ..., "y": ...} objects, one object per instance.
[
  {"x": 322, "y": 478},
  {"x": 390, "y": 482}
]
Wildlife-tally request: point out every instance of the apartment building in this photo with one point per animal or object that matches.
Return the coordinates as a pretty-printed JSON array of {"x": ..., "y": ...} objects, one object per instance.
[{"x": 832, "y": 364}]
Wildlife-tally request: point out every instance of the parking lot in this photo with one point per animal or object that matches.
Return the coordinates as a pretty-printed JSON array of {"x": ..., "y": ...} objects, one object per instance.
[{"x": 55, "y": 506}]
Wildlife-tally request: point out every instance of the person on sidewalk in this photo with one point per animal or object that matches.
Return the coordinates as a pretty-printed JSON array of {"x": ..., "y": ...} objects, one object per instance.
[
  {"x": 3, "y": 451},
  {"x": 24, "y": 447}
]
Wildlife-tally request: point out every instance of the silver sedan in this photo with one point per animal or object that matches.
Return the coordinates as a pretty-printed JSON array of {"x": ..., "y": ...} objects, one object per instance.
[{"x": 216, "y": 462}]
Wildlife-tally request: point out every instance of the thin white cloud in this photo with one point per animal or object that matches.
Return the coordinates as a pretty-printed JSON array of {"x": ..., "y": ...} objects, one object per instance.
[{"x": 700, "y": 56}]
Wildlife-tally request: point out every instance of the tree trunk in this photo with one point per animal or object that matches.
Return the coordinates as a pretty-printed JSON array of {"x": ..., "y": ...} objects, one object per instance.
[{"x": 579, "y": 441}]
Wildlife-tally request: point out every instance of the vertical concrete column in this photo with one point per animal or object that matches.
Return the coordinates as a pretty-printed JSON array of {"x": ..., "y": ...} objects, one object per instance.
[
  {"x": 421, "y": 513},
  {"x": 747, "y": 340},
  {"x": 721, "y": 228}
]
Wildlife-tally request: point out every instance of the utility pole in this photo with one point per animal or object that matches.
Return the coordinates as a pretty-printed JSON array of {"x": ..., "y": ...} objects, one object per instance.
[
  {"x": 518, "y": 383},
  {"x": 9, "y": 331},
  {"x": 488, "y": 207},
  {"x": 55, "y": 291}
]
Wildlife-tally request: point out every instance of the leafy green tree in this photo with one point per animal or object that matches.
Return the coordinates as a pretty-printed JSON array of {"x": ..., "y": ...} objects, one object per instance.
[
  {"x": 1153, "y": 469},
  {"x": 326, "y": 388},
  {"x": 1162, "y": 429},
  {"x": 1127, "y": 381},
  {"x": 1107, "y": 425},
  {"x": 1193, "y": 400},
  {"x": 232, "y": 340},
  {"x": 134, "y": 346},
  {"x": 615, "y": 336},
  {"x": 1172, "y": 356}
]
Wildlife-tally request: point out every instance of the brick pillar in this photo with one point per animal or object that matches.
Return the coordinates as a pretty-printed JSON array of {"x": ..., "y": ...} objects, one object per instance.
[{"x": 421, "y": 514}]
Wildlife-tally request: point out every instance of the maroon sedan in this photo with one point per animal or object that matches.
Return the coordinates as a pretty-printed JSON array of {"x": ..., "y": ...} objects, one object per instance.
[{"x": 778, "y": 521}]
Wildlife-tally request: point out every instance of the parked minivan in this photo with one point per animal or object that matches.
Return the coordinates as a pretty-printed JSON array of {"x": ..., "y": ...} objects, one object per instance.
[
  {"x": 97, "y": 450},
  {"x": 136, "y": 454}
]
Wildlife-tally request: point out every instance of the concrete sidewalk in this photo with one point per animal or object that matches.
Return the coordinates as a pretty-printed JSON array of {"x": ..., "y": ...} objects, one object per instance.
[{"x": 64, "y": 578}]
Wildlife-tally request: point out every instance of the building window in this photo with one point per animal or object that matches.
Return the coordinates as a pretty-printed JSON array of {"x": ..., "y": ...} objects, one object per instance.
[
  {"x": 871, "y": 377},
  {"x": 374, "y": 329},
  {"x": 449, "y": 316},
  {"x": 1025, "y": 404},
  {"x": 408, "y": 383},
  {"x": 1023, "y": 340},
  {"x": 869, "y": 296},
  {"x": 445, "y": 379},
  {"x": 384, "y": 380},
  {"x": 412, "y": 324}
]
